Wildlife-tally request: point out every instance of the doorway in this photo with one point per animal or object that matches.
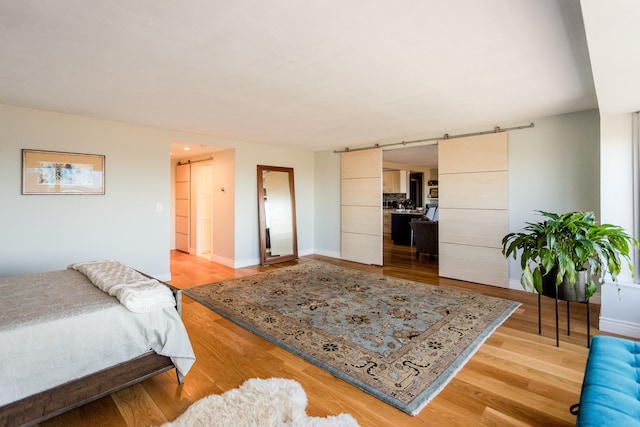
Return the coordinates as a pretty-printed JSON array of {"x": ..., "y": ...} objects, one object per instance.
[
  {"x": 420, "y": 164},
  {"x": 194, "y": 208},
  {"x": 416, "y": 188}
]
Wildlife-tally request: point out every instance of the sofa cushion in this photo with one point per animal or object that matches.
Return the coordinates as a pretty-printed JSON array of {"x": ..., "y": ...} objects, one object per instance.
[{"x": 611, "y": 388}]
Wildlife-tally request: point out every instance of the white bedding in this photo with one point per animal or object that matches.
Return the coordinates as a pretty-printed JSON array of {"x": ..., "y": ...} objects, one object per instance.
[
  {"x": 57, "y": 326},
  {"x": 138, "y": 293}
]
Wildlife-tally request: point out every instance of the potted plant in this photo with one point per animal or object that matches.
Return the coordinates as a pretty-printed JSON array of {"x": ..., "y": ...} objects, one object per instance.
[
  {"x": 408, "y": 204},
  {"x": 571, "y": 250}
]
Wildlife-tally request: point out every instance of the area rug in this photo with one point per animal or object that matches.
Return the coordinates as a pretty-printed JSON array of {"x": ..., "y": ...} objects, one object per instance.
[
  {"x": 272, "y": 402},
  {"x": 399, "y": 340}
]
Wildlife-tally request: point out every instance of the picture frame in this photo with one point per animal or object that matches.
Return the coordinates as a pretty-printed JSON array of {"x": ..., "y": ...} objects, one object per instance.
[{"x": 62, "y": 173}]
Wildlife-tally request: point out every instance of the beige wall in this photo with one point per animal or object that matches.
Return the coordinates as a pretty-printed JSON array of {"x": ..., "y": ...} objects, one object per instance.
[
  {"x": 248, "y": 156},
  {"x": 327, "y": 204},
  {"x": 619, "y": 311},
  {"x": 555, "y": 167},
  {"x": 42, "y": 233}
]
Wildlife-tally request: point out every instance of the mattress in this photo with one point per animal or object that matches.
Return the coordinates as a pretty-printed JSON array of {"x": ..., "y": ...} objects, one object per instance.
[{"x": 57, "y": 326}]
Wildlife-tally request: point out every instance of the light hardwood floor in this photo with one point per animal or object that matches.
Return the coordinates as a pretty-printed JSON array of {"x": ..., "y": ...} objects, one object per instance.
[{"x": 517, "y": 378}]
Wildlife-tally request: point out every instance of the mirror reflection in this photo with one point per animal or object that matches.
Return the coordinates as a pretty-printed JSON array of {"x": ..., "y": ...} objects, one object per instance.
[{"x": 276, "y": 212}]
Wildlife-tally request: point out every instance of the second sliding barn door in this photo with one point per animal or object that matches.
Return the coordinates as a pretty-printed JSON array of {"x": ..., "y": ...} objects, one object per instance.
[{"x": 473, "y": 208}]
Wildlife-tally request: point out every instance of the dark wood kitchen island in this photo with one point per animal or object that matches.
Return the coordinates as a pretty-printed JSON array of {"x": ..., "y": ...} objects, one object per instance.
[{"x": 400, "y": 229}]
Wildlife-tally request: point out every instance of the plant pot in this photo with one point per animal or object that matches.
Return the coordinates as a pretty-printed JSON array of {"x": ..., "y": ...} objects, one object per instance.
[{"x": 566, "y": 291}]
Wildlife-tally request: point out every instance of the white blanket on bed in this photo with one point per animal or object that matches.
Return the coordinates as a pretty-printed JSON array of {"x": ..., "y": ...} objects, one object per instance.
[
  {"x": 57, "y": 326},
  {"x": 135, "y": 291}
]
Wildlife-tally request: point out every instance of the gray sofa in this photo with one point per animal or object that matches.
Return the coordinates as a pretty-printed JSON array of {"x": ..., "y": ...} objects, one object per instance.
[{"x": 425, "y": 235}]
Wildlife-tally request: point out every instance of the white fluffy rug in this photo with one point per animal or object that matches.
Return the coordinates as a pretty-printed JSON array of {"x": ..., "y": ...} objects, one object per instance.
[{"x": 274, "y": 402}]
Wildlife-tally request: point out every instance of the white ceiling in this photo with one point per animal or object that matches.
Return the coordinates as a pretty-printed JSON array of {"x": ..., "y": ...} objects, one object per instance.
[
  {"x": 425, "y": 156},
  {"x": 613, "y": 35},
  {"x": 314, "y": 74}
]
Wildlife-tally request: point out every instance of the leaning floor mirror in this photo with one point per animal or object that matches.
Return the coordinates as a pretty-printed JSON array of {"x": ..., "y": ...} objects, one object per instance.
[{"x": 277, "y": 214}]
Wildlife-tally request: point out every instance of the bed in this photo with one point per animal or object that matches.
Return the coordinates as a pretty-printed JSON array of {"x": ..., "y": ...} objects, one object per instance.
[{"x": 70, "y": 336}]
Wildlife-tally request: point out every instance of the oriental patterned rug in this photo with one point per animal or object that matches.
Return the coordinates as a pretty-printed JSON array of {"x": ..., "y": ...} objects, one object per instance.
[{"x": 398, "y": 340}]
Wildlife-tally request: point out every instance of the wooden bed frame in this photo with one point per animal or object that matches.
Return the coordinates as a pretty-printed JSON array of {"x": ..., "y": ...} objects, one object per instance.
[
  {"x": 57, "y": 400},
  {"x": 50, "y": 403}
]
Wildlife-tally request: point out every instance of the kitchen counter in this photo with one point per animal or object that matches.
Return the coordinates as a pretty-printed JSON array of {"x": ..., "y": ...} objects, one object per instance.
[
  {"x": 405, "y": 211},
  {"x": 400, "y": 229}
]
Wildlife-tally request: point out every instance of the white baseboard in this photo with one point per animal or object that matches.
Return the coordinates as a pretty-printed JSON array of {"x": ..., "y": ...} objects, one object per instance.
[
  {"x": 221, "y": 260},
  {"x": 330, "y": 254},
  {"x": 619, "y": 327},
  {"x": 619, "y": 310},
  {"x": 246, "y": 263},
  {"x": 515, "y": 284}
]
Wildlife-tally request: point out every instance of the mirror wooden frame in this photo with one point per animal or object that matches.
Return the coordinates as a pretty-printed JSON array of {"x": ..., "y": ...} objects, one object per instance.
[{"x": 265, "y": 256}]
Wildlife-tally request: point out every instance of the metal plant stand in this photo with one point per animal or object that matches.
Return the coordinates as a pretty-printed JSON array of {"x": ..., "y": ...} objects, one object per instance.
[{"x": 568, "y": 318}]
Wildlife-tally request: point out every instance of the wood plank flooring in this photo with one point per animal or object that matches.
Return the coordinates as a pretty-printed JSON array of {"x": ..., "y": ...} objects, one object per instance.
[{"x": 517, "y": 378}]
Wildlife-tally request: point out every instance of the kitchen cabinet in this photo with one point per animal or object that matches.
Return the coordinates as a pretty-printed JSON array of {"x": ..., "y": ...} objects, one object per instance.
[{"x": 394, "y": 181}]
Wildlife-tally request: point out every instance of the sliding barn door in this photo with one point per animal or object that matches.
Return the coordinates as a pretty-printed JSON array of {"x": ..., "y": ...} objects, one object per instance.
[
  {"x": 204, "y": 211},
  {"x": 183, "y": 190},
  {"x": 473, "y": 208},
  {"x": 361, "y": 234}
]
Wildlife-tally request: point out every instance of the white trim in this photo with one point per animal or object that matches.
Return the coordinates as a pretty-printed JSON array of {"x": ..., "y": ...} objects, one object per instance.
[
  {"x": 221, "y": 260},
  {"x": 245, "y": 263},
  {"x": 305, "y": 252},
  {"x": 516, "y": 285},
  {"x": 618, "y": 312},
  {"x": 619, "y": 327},
  {"x": 330, "y": 254},
  {"x": 635, "y": 136}
]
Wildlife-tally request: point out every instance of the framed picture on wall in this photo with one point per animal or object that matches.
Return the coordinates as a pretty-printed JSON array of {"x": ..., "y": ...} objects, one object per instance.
[{"x": 55, "y": 172}]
